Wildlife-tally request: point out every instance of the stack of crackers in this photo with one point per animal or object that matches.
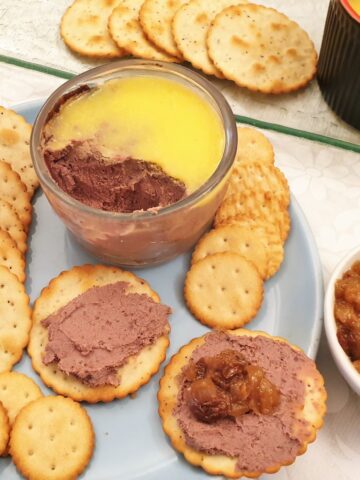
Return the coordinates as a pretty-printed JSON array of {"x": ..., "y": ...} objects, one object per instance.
[
  {"x": 18, "y": 182},
  {"x": 224, "y": 287},
  {"x": 255, "y": 46},
  {"x": 32, "y": 427},
  {"x": 47, "y": 437}
]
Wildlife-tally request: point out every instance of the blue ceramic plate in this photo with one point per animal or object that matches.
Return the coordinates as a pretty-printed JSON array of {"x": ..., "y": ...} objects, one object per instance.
[{"x": 130, "y": 443}]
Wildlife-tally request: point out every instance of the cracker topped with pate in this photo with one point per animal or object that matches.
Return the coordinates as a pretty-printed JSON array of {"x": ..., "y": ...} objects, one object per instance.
[
  {"x": 241, "y": 403},
  {"x": 98, "y": 333}
]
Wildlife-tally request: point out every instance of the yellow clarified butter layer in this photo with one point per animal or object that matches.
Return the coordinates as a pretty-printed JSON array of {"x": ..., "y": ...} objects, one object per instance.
[{"x": 150, "y": 119}]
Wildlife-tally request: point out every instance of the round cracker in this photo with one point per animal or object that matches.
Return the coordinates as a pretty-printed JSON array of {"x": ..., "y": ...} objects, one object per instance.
[
  {"x": 84, "y": 28},
  {"x": 265, "y": 225},
  {"x": 224, "y": 290},
  {"x": 11, "y": 257},
  {"x": 10, "y": 222},
  {"x": 15, "y": 319},
  {"x": 270, "y": 237},
  {"x": 260, "y": 178},
  {"x": 52, "y": 439},
  {"x": 4, "y": 429},
  {"x": 126, "y": 31},
  {"x": 190, "y": 26},
  {"x": 156, "y": 18},
  {"x": 312, "y": 412},
  {"x": 265, "y": 50},
  {"x": 13, "y": 191},
  {"x": 16, "y": 391},
  {"x": 15, "y": 147},
  {"x": 253, "y": 146},
  {"x": 233, "y": 238},
  {"x": 61, "y": 290},
  {"x": 256, "y": 205}
]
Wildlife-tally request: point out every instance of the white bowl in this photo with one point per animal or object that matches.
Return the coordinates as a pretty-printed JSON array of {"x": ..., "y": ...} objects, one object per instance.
[{"x": 341, "y": 359}]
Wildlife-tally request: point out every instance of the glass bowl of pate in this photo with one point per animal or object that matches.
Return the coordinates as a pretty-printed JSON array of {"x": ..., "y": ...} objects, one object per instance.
[{"x": 134, "y": 157}]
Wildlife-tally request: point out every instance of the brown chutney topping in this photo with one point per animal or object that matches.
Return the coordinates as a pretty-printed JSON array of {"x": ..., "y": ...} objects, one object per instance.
[
  {"x": 226, "y": 385},
  {"x": 347, "y": 313}
]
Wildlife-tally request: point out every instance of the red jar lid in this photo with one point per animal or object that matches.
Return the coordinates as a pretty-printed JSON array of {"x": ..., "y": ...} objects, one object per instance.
[{"x": 353, "y": 8}]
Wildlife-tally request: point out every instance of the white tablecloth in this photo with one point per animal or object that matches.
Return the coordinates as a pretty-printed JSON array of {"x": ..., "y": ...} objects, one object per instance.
[{"x": 326, "y": 182}]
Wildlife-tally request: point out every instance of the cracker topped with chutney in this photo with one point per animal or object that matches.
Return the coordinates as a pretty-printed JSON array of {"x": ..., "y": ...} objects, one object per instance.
[{"x": 241, "y": 403}]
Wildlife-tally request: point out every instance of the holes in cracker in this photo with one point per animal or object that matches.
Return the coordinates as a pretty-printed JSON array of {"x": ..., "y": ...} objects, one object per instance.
[
  {"x": 53, "y": 467},
  {"x": 30, "y": 427},
  {"x": 73, "y": 448},
  {"x": 31, "y": 453}
]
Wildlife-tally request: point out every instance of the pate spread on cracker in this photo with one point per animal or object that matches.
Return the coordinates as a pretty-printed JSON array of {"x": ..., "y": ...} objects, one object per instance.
[
  {"x": 96, "y": 332},
  {"x": 254, "y": 443},
  {"x": 76, "y": 376}
]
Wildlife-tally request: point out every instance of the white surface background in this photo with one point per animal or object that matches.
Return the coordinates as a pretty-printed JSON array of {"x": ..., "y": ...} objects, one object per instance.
[{"x": 326, "y": 182}]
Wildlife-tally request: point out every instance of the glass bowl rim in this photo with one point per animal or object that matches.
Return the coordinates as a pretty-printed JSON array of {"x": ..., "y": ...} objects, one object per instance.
[{"x": 85, "y": 78}]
